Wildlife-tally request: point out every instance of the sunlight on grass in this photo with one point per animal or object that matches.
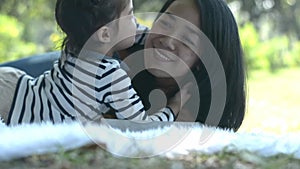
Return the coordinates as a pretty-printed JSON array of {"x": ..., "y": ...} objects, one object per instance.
[{"x": 273, "y": 102}]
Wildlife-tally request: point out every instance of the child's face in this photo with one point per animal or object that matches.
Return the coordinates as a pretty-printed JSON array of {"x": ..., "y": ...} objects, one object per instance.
[{"x": 126, "y": 28}]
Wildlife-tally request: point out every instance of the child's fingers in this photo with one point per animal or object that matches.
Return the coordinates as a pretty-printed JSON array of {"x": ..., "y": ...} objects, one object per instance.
[
  {"x": 185, "y": 93},
  {"x": 187, "y": 87}
]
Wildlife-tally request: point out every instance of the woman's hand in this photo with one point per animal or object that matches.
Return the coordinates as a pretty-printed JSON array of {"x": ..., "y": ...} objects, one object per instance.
[{"x": 179, "y": 99}]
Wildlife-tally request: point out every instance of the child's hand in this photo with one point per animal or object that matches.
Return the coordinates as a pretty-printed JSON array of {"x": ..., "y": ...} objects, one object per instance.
[{"x": 180, "y": 99}]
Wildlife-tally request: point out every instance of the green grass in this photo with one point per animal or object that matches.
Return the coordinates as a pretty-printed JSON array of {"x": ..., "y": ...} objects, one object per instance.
[
  {"x": 273, "y": 102},
  {"x": 95, "y": 158}
]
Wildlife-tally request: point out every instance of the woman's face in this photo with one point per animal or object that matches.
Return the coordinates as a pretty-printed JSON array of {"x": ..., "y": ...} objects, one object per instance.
[{"x": 168, "y": 47}]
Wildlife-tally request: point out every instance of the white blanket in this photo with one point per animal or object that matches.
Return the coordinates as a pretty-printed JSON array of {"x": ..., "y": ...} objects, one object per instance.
[{"x": 25, "y": 140}]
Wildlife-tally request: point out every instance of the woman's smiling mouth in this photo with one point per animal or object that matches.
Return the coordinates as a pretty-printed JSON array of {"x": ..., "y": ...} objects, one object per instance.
[{"x": 161, "y": 55}]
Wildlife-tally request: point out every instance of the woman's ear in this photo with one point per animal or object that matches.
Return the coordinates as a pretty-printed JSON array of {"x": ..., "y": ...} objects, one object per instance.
[{"x": 104, "y": 34}]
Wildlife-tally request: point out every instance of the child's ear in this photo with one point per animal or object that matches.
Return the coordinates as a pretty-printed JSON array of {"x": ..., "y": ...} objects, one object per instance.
[{"x": 104, "y": 34}]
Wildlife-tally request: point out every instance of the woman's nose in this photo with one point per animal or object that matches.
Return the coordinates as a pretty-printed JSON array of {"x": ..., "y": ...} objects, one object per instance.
[{"x": 168, "y": 42}]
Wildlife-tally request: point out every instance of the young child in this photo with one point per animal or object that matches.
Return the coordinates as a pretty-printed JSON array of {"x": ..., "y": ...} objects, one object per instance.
[{"x": 86, "y": 82}]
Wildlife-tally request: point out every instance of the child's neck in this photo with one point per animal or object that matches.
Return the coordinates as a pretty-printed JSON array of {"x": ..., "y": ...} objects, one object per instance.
[{"x": 103, "y": 49}]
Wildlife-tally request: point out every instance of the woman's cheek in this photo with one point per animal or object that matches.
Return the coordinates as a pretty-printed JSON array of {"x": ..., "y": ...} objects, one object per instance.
[{"x": 189, "y": 57}]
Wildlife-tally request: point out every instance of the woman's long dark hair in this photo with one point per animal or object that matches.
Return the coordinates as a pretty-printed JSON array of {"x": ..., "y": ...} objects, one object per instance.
[
  {"x": 218, "y": 24},
  {"x": 79, "y": 19}
]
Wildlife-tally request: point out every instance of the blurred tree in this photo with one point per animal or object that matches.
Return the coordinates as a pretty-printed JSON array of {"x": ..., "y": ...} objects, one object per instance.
[
  {"x": 11, "y": 44},
  {"x": 37, "y": 31},
  {"x": 280, "y": 14},
  {"x": 148, "y": 6},
  {"x": 37, "y": 17}
]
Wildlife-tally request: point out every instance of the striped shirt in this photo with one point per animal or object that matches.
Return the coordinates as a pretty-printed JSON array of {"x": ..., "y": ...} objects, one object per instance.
[{"x": 79, "y": 88}]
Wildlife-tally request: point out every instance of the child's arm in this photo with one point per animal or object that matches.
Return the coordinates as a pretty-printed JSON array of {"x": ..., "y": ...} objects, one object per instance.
[{"x": 124, "y": 100}]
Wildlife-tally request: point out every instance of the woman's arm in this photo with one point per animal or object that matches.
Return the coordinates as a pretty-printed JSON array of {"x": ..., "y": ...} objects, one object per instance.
[{"x": 35, "y": 65}]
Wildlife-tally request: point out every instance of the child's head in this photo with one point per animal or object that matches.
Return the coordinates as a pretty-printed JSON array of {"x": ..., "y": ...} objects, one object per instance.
[{"x": 80, "y": 19}]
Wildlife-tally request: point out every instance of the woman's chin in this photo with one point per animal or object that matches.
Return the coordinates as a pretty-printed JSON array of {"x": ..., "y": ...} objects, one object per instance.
[{"x": 158, "y": 73}]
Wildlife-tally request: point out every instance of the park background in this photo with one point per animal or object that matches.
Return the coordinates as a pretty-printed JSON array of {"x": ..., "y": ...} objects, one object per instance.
[{"x": 270, "y": 33}]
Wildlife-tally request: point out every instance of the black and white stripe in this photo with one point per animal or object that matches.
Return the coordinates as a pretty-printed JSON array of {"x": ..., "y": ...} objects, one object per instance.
[{"x": 79, "y": 88}]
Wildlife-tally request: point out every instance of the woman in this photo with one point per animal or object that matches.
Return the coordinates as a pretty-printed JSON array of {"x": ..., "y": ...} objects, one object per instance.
[{"x": 216, "y": 21}]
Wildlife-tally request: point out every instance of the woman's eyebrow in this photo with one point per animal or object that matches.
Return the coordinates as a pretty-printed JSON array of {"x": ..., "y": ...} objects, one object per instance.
[{"x": 171, "y": 15}]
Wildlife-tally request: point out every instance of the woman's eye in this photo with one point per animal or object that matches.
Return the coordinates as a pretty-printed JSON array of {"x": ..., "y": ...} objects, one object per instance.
[
  {"x": 165, "y": 23},
  {"x": 191, "y": 42},
  {"x": 188, "y": 40}
]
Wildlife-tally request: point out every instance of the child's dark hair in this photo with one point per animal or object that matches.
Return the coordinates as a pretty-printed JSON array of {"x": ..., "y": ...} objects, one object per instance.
[{"x": 80, "y": 19}]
